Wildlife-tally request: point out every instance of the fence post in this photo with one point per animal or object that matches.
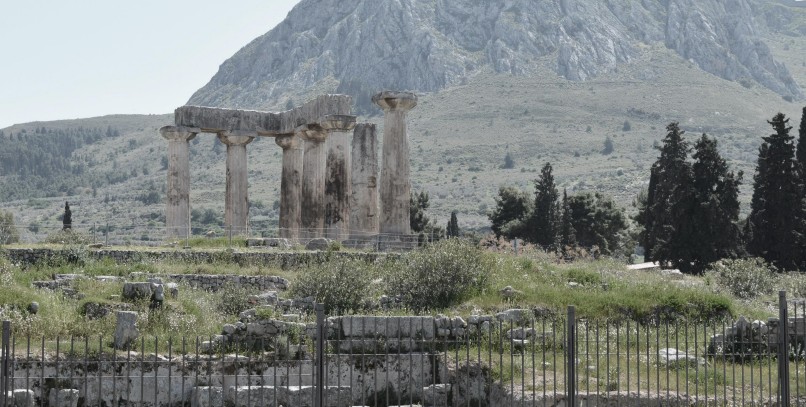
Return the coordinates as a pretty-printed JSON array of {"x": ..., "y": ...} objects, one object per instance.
[
  {"x": 319, "y": 356},
  {"x": 571, "y": 351},
  {"x": 783, "y": 350},
  {"x": 4, "y": 356}
]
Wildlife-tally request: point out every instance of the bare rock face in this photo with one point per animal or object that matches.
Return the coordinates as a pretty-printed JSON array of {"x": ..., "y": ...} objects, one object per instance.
[{"x": 359, "y": 47}]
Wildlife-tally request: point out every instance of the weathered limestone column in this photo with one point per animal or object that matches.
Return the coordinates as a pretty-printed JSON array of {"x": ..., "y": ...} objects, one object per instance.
[
  {"x": 395, "y": 185},
  {"x": 313, "y": 181},
  {"x": 337, "y": 178},
  {"x": 364, "y": 197},
  {"x": 291, "y": 186},
  {"x": 236, "y": 207},
  {"x": 177, "y": 210}
]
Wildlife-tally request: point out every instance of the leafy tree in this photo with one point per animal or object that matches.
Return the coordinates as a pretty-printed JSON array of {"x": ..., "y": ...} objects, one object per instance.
[
  {"x": 670, "y": 203},
  {"x": 567, "y": 233},
  {"x": 8, "y": 231},
  {"x": 545, "y": 217},
  {"x": 608, "y": 146},
  {"x": 67, "y": 219},
  {"x": 775, "y": 225},
  {"x": 453, "y": 226},
  {"x": 512, "y": 210},
  {"x": 716, "y": 214},
  {"x": 509, "y": 162},
  {"x": 597, "y": 221}
]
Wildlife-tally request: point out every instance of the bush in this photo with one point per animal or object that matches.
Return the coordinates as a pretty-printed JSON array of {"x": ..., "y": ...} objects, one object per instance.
[
  {"x": 341, "y": 285},
  {"x": 68, "y": 237},
  {"x": 233, "y": 300},
  {"x": 744, "y": 278},
  {"x": 439, "y": 276},
  {"x": 8, "y": 232}
]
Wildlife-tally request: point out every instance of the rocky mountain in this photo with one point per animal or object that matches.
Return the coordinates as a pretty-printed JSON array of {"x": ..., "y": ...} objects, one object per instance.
[{"x": 360, "y": 46}]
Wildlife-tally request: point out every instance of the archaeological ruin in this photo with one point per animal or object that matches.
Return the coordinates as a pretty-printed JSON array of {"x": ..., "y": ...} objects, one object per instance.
[{"x": 330, "y": 183}]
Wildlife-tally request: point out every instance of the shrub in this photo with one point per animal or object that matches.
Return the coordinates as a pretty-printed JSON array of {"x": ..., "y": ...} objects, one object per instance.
[
  {"x": 744, "y": 278},
  {"x": 233, "y": 300},
  {"x": 8, "y": 232},
  {"x": 341, "y": 285},
  {"x": 68, "y": 237},
  {"x": 439, "y": 276}
]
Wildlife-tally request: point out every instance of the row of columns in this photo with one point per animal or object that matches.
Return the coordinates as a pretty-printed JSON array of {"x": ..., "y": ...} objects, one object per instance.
[{"x": 328, "y": 187}]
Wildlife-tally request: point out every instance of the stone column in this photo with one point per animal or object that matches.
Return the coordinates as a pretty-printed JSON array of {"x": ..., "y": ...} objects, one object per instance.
[
  {"x": 364, "y": 197},
  {"x": 313, "y": 181},
  {"x": 177, "y": 210},
  {"x": 395, "y": 185},
  {"x": 337, "y": 177},
  {"x": 291, "y": 186},
  {"x": 236, "y": 207}
]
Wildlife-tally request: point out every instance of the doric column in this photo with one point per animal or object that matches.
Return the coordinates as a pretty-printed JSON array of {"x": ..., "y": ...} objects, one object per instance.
[
  {"x": 337, "y": 177},
  {"x": 236, "y": 206},
  {"x": 364, "y": 197},
  {"x": 177, "y": 209},
  {"x": 314, "y": 170},
  {"x": 313, "y": 181},
  {"x": 291, "y": 186},
  {"x": 395, "y": 185}
]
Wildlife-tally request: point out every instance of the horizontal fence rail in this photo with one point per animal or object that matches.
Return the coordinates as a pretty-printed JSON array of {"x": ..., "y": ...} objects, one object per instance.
[{"x": 516, "y": 357}]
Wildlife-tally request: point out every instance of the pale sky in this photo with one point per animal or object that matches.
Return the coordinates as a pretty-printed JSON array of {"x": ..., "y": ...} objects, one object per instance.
[{"x": 83, "y": 58}]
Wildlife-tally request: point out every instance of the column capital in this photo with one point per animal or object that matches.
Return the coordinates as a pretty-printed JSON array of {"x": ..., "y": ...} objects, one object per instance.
[
  {"x": 235, "y": 139},
  {"x": 392, "y": 100},
  {"x": 289, "y": 141},
  {"x": 173, "y": 133},
  {"x": 337, "y": 122},
  {"x": 312, "y": 132}
]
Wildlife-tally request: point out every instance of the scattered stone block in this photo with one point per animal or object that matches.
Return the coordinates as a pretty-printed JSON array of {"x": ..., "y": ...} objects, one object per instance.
[
  {"x": 63, "y": 397},
  {"x": 436, "y": 395},
  {"x": 318, "y": 244},
  {"x": 23, "y": 398},
  {"x": 126, "y": 330}
]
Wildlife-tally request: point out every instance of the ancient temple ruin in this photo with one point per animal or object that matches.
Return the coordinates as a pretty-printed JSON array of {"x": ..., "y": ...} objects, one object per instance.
[{"x": 329, "y": 184}]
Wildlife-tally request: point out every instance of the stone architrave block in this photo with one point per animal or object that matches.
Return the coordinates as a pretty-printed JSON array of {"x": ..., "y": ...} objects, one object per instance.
[
  {"x": 24, "y": 398},
  {"x": 135, "y": 291},
  {"x": 318, "y": 244},
  {"x": 63, "y": 397},
  {"x": 206, "y": 396},
  {"x": 126, "y": 330}
]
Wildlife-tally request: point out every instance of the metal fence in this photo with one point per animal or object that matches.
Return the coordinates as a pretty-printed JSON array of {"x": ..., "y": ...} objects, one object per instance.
[{"x": 509, "y": 359}]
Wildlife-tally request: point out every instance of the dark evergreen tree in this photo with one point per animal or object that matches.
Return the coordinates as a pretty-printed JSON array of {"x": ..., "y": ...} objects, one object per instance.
[
  {"x": 716, "y": 213},
  {"x": 453, "y": 226},
  {"x": 672, "y": 203},
  {"x": 567, "y": 234},
  {"x": 418, "y": 204},
  {"x": 67, "y": 218},
  {"x": 509, "y": 162},
  {"x": 801, "y": 152},
  {"x": 608, "y": 146},
  {"x": 597, "y": 221},
  {"x": 545, "y": 217},
  {"x": 775, "y": 225},
  {"x": 513, "y": 209}
]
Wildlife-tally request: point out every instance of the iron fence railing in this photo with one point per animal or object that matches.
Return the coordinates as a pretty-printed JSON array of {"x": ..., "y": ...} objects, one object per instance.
[{"x": 512, "y": 358}]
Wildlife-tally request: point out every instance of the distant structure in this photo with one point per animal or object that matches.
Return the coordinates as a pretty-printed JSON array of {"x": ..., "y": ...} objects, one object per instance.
[{"x": 329, "y": 185}]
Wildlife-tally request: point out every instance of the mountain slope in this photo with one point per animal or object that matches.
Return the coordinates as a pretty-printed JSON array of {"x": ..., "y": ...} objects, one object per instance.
[{"x": 360, "y": 46}]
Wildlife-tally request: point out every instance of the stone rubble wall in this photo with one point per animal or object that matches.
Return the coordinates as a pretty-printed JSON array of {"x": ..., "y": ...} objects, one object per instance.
[
  {"x": 215, "y": 282},
  {"x": 31, "y": 256}
]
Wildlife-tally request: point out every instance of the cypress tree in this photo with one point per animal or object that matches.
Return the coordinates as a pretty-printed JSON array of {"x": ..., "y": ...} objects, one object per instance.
[
  {"x": 545, "y": 217},
  {"x": 453, "y": 226},
  {"x": 567, "y": 235},
  {"x": 716, "y": 213},
  {"x": 67, "y": 219},
  {"x": 672, "y": 203},
  {"x": 775, "y": 224},
  {"x": 801, "y": 152}
]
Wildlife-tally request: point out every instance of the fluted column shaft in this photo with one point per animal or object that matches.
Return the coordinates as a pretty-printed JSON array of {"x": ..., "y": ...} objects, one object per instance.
[
  {"x": 291, "y": 186},
  {"x": 337, "y": 186},
  {"x": 364, "y": 180},
  {"x": 395, "y": 171},
  {"x": 236, "y": 204},
  {"x": 313, "y": 182},
  {"x": 177, "y": 209}
]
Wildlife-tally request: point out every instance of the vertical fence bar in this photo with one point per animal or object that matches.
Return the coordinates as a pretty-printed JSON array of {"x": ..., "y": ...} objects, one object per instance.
[
  {"x": 4, "y": 368},
  {"x": 783, "y": 350},
  {"x": 319, "y": 356},
  {"x": 570, "y": 386}
]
